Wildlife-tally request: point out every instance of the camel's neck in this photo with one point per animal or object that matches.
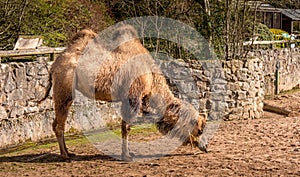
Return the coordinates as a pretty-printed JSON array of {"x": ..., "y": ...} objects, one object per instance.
[{"x": 162, "y": 90}]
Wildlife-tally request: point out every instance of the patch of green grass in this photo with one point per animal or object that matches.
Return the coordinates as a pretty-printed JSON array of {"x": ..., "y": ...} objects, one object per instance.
[
  {"x": 95, "y": 136},
  {"x": 143, "y": 129},
  {"x": 288, "y": 92}
]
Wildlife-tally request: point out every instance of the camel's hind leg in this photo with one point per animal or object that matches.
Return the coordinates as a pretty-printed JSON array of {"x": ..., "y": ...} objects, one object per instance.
[{"x": 61, "y": 114}]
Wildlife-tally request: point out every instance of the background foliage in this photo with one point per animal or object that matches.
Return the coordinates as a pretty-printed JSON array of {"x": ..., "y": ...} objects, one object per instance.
[
  {"x": 226, "y": 24},
  {"x": 56, "y": 20}
]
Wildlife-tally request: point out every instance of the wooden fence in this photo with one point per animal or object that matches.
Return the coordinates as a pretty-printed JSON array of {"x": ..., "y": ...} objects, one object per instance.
[
  {"x": 249, "y": 43},
  {"x": 53, "y": 51},
  {"x": 32, "y": 52}
]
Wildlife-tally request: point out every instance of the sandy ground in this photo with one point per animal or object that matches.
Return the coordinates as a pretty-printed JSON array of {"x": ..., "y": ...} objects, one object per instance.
[{"x": 263, "y": 147}]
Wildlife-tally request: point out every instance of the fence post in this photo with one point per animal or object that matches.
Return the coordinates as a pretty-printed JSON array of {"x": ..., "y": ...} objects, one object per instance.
[
  {"x": 51, "y": 56},
  {"x": 277, "y": 78}
]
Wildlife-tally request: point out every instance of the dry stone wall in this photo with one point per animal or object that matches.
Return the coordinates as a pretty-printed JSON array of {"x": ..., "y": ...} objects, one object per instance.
[
  {"x": 289, "y": 68},
  {"x": 228, "y": 90},
  {"x": 22, "y": 84}
]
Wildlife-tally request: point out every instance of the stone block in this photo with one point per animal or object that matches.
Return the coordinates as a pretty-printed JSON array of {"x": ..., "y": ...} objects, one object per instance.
[
  {"x": 202, "y": 104},
  {"x": 10, "y": 83},
  {"x": 241, "y": 95},
  {"x": 16, "y": 111},
  {"x": 238, "y": 111},
  {"x": 218, "y": 96},
  {"x": 218, "y": 81},
  {"x": 30, "y": 110},
  {"x": 3, "y": 113},
  {"x": 42, "y": 71},
  {"x": 242, "y": 74},
  {"x": 233, "y": 86},
  {"x": 233, "y": 117},
  {"x": 44, "y": 82},
  {"x": 207, "y": 73},
  {"x": 31, "y": 70},
  {"x": 218, "y": 88},
  {"x": 15, "y": 95},
  {"x": 3, "y": 98},
  {"x": 20, "y": 77},
  {"x": 245, "y": 86},
  {"x": 215, "y": 116}
]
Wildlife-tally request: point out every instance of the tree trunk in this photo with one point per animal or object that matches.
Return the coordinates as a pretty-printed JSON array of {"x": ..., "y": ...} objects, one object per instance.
[{"x": 276, "y": 109}]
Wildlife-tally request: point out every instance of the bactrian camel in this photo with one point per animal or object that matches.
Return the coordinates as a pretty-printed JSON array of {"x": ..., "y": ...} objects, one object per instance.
[{"x": 127, "y": 73}]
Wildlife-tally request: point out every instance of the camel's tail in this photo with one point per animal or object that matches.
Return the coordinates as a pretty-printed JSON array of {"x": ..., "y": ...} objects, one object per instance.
[{"x": 48, "y": 88}]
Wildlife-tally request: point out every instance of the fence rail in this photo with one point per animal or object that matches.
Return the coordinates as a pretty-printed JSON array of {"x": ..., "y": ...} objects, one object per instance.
[
  {"x": 270, "y": 42},
  {"x": 52, "y": 51},
  {"x": 31, "y": 52}
]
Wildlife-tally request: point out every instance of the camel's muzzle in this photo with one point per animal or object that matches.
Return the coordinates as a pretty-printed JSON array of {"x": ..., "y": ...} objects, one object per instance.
[{"x": 202, "y": 145}]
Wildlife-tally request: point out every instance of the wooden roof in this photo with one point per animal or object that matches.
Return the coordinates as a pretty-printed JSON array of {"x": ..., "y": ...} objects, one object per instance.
[
  {"x": 293, "y": 14},
  {"x": 262, "y": 6}
]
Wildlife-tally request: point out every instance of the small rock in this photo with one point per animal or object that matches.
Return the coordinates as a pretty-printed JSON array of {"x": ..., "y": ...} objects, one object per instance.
[{"x": 154, "y": 164}]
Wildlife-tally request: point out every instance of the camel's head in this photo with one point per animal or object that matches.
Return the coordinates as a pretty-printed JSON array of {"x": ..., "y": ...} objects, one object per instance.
[
  {"x": 183, "y": 121},
  {"x": 194, "y": 136}
]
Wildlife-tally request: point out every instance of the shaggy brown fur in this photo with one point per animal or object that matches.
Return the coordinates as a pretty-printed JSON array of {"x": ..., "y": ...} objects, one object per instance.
[{"x": 126, "y": 73}]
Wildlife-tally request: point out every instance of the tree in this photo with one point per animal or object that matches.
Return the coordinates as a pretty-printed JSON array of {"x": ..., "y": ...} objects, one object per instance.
[
  {"x": 224, "y": 23},
  {"x": 12, "y": 14},
  {"x": 56, "y": 21}
]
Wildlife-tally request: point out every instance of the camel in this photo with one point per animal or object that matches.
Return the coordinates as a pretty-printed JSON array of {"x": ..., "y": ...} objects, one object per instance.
[{"x": 127, "y": 74}]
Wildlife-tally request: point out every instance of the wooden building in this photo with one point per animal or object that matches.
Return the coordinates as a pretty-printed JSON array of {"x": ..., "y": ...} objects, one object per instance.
[
  {"x": 285, "y": 19},
  {"x": 291, "y": 20}
]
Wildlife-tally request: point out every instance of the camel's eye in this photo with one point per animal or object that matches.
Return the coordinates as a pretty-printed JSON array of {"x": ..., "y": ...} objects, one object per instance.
[{"x": 200, "y": 132}]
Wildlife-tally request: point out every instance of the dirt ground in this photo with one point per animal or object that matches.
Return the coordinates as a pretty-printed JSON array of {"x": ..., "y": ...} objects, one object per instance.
[{"x": 263, "y": 147}]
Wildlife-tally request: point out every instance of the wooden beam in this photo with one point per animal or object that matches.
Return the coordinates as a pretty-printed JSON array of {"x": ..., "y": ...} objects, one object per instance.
[
  {"x": 276, "y": 109},
  {"x": 39, "y": 51}
]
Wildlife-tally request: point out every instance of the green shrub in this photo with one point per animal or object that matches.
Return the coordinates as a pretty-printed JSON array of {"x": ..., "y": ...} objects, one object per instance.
[
  {"x": 278, "y": 34},
  {"x": 263, "y": 32}
]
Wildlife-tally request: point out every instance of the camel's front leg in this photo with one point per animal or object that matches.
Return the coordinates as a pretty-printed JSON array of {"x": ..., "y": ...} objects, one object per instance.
[
  {"x": 129, "y": 110},
  {"x": 125, "y": 150}
]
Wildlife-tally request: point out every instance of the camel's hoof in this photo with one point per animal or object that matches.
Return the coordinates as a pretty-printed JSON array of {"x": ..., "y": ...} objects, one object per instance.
[
  {"x": 71, "y": 154},
  {"x": 65, "y": 158},
  {"x": 132, "y": 154},
  {"x": 127, "y": 158}
]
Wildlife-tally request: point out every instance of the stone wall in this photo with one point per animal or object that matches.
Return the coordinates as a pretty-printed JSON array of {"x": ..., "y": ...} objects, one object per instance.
[
  {"x": 22, "y": 119},
  {"x": 232, "y": 89},
  {"x": 223, "y": 89},
  {"x": 289, "y": 60}
]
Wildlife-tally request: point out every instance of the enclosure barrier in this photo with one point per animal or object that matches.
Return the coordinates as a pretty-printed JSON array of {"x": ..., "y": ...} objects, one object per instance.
[
  {"x": 271, "y": 43},
  {"x": 248, "y": 81},
  {"x": 32, "y": 52}
]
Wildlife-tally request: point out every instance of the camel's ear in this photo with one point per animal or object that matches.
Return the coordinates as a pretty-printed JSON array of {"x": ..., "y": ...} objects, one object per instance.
[{"x": 202, "y": 121}]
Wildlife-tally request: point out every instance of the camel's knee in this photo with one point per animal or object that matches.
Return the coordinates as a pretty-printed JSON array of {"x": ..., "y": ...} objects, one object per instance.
[
  {"x": 125, "y": 128},
  {"x": 54, "y": 124},
  {"x": 130, "y": 108},
  {"x": 58, "y": 129}
]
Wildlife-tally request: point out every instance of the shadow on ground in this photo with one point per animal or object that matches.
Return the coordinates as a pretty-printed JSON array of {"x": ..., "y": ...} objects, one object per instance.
[{"x": 52, "y": 157}]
